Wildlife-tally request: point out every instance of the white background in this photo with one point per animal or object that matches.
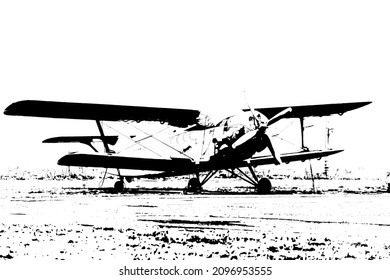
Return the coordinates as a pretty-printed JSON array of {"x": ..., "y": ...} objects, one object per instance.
[{"x": 194, "y": 54}]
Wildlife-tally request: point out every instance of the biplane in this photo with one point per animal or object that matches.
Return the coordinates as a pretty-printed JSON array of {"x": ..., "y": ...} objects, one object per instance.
[{"x": 235, "y": 147}]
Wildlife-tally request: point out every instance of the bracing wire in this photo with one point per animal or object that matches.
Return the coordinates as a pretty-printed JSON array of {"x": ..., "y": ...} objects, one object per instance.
[
  {"x": 281, "y": 131},
  {"x": 101, "y": 183},
  {"x": 276, "y": 135},
  {"x": 162, "y": 142},
  {"x": 288, "y": 142},
  {"x": 131, "y": 140},
  {"x": 137, "y": 142}
]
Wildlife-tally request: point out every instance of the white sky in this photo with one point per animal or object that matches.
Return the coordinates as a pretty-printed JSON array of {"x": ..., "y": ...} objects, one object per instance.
[{"x": 194, "y": 54}]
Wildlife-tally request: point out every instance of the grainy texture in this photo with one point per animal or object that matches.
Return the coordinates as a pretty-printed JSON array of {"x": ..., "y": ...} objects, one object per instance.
[{"x": 63, "y": 220}]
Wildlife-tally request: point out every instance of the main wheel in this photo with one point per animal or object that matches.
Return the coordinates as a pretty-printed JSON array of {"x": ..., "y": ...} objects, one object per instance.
[
  {"x": 194, "y": 185},
  {"x": 264, "y": 186},
  {"x": 119, "y": 185}
]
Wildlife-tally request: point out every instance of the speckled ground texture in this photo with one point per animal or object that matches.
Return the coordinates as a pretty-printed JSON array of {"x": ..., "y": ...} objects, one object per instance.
[{"x": 72, "y": 220}]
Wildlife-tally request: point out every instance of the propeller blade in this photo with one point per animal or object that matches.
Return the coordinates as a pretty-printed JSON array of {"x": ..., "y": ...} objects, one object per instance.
[
  {"x": 255, "y": 119},
  {"x": 279, "y": 116},
  {"x": 244, "y": 138},
  {"x": 273, "y": 152}
]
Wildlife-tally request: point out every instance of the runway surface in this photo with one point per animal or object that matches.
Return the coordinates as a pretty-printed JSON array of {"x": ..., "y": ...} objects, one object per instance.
[{"x": 70, "y": 220}]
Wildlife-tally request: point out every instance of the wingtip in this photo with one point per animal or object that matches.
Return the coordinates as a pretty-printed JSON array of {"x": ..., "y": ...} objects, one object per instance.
[
  {"x": 8, "y": 110},
  {"x": 66, "y": 160},
  {"x": 365, "y": 103},
  {"x": 355, "y": 105},
  {"x": 362, "y": 104},
  {"x": 14, "y": 108}
]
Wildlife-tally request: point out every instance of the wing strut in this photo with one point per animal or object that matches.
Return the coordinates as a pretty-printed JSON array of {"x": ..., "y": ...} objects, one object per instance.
[
  {"x": 106, "y": 148},
  {"x": 303, "y": 147},
  {"x": 252, "y": 172},
  {"x": 242, "y": 176},
  {"x": 119, "y": 185}
]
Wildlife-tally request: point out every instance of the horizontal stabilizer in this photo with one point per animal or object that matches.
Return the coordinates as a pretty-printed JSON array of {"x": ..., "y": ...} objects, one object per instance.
[{"x": 111, "y": 140}]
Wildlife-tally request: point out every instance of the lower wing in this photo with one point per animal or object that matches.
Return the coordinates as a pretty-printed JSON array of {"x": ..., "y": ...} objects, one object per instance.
[{"x": 179, "y": 166}]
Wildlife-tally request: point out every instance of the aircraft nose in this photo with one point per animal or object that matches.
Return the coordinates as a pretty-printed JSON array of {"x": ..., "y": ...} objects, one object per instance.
[
  {"x": 262, "y": 128},
  {"x": 263, "y": 121}
]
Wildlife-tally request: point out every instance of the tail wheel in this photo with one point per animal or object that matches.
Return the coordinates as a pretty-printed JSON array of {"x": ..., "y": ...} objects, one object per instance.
[
  {"x": 264, "y": 186},
  {"x": 194, "y": 185},
  {"x": 119, "y": 185}
]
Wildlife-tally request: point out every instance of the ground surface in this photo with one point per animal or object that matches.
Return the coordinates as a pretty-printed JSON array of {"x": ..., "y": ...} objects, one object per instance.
[{"x": 74, "y": 220}]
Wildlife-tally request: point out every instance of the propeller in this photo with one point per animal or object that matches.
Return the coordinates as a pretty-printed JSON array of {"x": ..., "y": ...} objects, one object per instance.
[
  {"x": 261, "y": 123},
  {"x": 271, "y": 121},
  {"x": 256, "y": 119},
  {"x": 261, "y": 120}
]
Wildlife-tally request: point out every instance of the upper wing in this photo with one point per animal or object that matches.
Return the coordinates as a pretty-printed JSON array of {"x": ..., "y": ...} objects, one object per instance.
[
  {"x": 102, "y": 112},
  {"x": 175, "y": 117},
  {"x": 312, "y": 110}
]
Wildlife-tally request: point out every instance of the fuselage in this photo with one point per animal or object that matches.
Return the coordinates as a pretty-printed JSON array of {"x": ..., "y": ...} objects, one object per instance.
[{"x": 243, "y": 136}]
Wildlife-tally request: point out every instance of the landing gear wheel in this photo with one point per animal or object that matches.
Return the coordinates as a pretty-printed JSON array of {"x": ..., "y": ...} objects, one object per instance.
[
  {"x": 194, "y": 185},
  {"x": 264, "y": 186},
  {"x": 119, "y": 185}
]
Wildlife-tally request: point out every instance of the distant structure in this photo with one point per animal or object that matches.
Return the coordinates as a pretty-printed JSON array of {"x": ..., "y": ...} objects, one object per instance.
[{"x": 329, "y": 131}]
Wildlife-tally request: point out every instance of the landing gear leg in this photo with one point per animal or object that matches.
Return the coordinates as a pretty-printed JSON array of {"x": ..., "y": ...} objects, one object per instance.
[
  {"x": 262, "y": 185},
  {"x": 195, "y": 184}
]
